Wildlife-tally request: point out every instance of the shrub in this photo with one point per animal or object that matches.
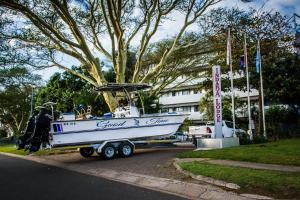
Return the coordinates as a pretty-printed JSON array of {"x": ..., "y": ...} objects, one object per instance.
[{"x": 281, "y": 122}]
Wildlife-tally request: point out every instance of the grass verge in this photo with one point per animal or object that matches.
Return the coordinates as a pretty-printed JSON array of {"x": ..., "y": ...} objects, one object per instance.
[
  {"x": 265, "y": 182},
  {"x": 10, "y": 148},
  {"x": 285, "y": 152}
]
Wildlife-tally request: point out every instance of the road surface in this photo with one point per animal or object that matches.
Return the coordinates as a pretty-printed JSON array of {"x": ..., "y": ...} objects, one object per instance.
[
  {"x": 156, "y": 162},
  {"x": 22, "y": 179}
]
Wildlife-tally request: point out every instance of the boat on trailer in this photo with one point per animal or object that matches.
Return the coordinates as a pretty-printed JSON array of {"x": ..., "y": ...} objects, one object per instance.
[{"x": 114, "y": 132}]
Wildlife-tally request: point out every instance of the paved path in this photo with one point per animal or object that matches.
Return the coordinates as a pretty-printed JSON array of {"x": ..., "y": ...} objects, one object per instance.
[
  {"x": 285, "y": 168},
  {"x": 23, "y": 179}
]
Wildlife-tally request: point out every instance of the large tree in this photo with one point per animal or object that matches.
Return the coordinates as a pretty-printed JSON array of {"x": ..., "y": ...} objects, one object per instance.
[
  {"x": 69, "y": 91},
  {"x": 276, "y": 38},
  {"x": 15, "y": 95},
  {"x": 86, "y": 31}
]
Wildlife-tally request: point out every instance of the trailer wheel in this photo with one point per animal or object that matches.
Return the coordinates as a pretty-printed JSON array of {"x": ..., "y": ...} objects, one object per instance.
[
  {"x": 125, "y": 149},
  {"x": 86, "y": 151},
  {"x": 108, "y": 152}
]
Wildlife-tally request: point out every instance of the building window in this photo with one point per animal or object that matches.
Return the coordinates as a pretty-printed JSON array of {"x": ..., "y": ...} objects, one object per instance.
[
  {"x": 186, "y": 109},
  {"x": 173, "y": 94},
  {"x": 185, "y": 92},
  {"x": 178, "y": 109},
  {"x": 196, "y": 108},
  {"x": 164, "y": 110}
]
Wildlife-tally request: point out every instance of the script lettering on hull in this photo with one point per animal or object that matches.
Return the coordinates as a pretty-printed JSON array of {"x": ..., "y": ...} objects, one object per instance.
[{"x": 108, "y": 124}]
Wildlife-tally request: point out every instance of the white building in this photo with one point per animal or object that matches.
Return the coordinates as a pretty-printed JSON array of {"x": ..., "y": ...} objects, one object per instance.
[{"x": 186, "y": 97}]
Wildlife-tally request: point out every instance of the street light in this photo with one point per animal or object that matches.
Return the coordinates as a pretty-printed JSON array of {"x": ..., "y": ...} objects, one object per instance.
[{"x": 31, "y": 103}]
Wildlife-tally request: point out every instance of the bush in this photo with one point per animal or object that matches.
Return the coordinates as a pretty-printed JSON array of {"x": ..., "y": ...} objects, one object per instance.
[
  {"x": 244, "y": 138},
  {"x": 9, "y": 140},
  {"x": 2, "y": 133},
  {"x": 281, "y": 122}
]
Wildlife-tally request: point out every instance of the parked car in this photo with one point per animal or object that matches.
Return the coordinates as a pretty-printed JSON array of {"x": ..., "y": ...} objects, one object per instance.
[
  {"x": 181, "y": 136},
  {"x": 207, "y": 130}
]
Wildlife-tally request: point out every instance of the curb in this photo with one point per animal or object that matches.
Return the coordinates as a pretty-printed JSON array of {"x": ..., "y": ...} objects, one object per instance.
[
  {"x": 212, "y": 181},
  {"x": 206, "y": 179},
  {"x": 170, "y": 186}
]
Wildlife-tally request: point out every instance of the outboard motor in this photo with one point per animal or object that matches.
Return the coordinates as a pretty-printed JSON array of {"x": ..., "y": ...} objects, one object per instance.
[
  {"x": 41, "y": 132},
  {"x": 24, "y": 139}
]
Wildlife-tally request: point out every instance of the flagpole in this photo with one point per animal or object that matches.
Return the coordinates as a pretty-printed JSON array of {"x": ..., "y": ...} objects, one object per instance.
[
  {"x": 262, "y": 93},
  {"x": 248, "y": 88},
  {"x": 231, "y": 79}
]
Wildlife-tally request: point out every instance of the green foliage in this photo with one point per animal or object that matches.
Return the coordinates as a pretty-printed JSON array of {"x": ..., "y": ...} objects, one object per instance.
[
  {"x": 3, "y": 133},
  {"x": 9, "y": 148},
  {"x": 273, "y": 183},
  {"x": 285, "y": 152},
  {"x": 279, "y": 64},
  {"x": 279, "y": 120},
  {"x": 281, "y": 80},
  {"x": 68, "y": 91},
  {"x": 17, "y": 76},
  {"x": 206, "y": 106},
  {"x": 149, "y": 102},
  {"x": 185, "y": 125},
  {"x": 14, "y": 107},
  {"x": 245, "y": 138}
]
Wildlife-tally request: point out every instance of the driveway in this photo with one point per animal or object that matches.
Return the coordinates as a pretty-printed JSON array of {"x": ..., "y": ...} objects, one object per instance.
[
  {"x": 23, "y": 179},
  {"x": 156, "y": 161}
]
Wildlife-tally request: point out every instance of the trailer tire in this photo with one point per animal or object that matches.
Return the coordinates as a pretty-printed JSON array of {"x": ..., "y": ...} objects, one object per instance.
[
  {"x": 125, "y": 149},
  {"x": 108, "y": 152},
  {"x": 86, "y": 151}
]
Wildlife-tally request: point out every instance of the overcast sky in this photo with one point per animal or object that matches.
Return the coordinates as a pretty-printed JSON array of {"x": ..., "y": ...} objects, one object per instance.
[{"x": 170, "y": 28}]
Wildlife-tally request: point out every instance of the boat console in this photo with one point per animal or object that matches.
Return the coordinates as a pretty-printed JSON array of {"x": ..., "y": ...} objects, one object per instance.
[{"x": 126, "y": 111}]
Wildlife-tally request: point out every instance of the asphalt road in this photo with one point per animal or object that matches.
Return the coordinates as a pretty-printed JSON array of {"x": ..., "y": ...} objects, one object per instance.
[
  {"x": 22, "y": 180},
  {"x": 153, "y": 162}
]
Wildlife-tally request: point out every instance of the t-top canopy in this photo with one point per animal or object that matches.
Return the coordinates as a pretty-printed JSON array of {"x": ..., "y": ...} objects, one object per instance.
[{"x": 116, "y": 87}]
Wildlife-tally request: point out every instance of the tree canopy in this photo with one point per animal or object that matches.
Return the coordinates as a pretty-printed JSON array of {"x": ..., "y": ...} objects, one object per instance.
[
  {"x": 69, "y": 91},
  {"x": 88, "y": 30},
  {"x": 278, "y": 55}
]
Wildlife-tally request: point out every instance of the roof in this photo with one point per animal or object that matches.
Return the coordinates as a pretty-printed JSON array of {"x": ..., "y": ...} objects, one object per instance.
[{"x": 129, "y": 87}]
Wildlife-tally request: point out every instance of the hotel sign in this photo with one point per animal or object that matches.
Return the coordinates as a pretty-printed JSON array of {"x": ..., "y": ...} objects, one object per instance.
[{"x": 217, "y": 100}]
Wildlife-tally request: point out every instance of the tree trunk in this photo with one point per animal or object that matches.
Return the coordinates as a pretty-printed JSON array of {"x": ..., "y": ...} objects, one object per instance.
[
  {"x": 121, "y": 66},
  {"x": 110, "y": 101}
]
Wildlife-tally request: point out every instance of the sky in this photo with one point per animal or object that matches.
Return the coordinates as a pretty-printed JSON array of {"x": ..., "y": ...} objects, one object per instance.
[{"x": 170, "y": 27}]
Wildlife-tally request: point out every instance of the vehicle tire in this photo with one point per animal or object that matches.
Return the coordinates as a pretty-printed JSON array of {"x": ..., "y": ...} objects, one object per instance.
[
  {"x": 125, "y": 149},
  {"x": 86, "y": 151},
  {"x": 108, "y": 152}
]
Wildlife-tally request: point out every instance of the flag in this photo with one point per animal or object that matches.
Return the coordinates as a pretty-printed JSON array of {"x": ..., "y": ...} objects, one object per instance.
[
  {"x": 245, "y": 53},
  {"x": 242, "y": 63},
  {"x": 228, "y": 56},
  {"x": 258, "y": 57}
]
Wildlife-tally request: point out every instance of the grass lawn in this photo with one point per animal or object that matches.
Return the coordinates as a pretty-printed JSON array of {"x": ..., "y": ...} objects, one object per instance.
[
  {"x": 285, "y": 152},
  {"x": 265, "y": 182},
  {"x": 10, "y": 148}
]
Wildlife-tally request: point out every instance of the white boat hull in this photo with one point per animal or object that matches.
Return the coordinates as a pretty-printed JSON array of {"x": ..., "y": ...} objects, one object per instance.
[{"x": 65, "y": 133}]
